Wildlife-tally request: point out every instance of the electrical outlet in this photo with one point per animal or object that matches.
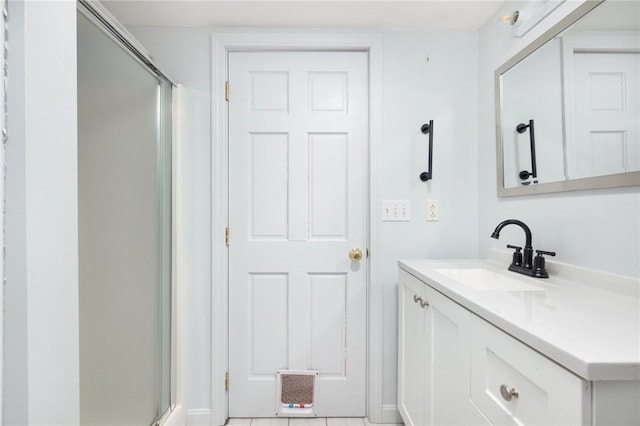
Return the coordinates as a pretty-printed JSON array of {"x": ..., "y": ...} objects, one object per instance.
[
  {"x": 433, "y": 211},
  {"x": 396, "y": 211}
]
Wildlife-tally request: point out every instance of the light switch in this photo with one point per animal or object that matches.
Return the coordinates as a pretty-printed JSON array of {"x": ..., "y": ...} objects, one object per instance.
[{"x": 396, "y": 211}]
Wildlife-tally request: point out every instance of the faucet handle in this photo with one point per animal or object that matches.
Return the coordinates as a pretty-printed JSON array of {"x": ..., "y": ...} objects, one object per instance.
[
  {"x": 539, "y": 270},
  {"x": 517, "y": 255}
]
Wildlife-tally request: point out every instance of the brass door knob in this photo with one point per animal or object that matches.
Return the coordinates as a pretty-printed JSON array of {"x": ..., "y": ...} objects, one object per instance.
[{"x": 355, "y": 255}]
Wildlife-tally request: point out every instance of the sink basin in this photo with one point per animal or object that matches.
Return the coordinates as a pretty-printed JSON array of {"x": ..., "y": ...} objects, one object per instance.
[{"x": 486, "y": 280}]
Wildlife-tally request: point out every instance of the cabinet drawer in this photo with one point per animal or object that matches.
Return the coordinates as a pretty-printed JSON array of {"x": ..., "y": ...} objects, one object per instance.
[{"x": 547, "y": 394}]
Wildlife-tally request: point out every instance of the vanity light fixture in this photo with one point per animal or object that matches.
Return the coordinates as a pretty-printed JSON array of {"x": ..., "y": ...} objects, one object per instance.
[
  {"x": 511, "y": 19},
  {"x": 525, "y": 19}
]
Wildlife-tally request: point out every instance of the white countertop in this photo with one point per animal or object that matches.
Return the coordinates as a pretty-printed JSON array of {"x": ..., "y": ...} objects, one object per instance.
[{"x": 586, "y": 321}]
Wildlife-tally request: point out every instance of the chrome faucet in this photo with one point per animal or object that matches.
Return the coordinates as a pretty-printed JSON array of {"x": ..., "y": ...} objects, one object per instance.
[{"x": 523, "y": 262}]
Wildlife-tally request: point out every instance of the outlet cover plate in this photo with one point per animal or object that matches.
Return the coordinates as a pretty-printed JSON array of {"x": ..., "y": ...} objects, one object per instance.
[{"x": 433, "y": 211}]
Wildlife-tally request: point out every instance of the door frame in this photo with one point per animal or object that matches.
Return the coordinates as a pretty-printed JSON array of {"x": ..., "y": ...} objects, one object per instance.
[{"x": 221, "y": 45}]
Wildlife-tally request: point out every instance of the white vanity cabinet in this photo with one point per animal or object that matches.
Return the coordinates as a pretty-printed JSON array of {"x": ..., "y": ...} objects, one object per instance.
[
  {"x": 433, "y": 358},
  {"x": 455, "y": 367}
]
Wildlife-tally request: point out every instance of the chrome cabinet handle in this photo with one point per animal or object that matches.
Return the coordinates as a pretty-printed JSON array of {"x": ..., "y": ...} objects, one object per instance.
[
  {"x": 508, "y": 393},
  {"x": 418, "y": 299}
]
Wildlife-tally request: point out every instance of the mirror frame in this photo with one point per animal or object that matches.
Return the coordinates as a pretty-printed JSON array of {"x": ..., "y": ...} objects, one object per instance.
[{"x": 596, "y": 182}]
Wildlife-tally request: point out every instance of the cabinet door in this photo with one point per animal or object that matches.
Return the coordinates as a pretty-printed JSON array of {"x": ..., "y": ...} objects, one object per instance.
[
  {"x": 448, "y": 390},
  {"x": 412, "y": 349},
  {"x": 537, "y": 391}
]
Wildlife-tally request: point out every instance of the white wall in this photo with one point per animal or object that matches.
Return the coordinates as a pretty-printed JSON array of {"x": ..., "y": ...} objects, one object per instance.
[
  {"x": 41, "y": 383},
  {"x": 2, "y": 224},
  {"x": 597, "y": 229},
  {"x": 415, "y": 89},
  {"x": 14, "y": 383}
]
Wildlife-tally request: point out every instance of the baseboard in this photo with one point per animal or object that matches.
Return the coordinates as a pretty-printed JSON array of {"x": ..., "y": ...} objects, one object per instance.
[
  {"x": 199, "y": 417},
  {"x": 390, "y": 414}
]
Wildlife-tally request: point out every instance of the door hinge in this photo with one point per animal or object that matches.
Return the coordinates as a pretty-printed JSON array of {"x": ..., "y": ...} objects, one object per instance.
[
  {"x": 226, "y": 381},
  {"x": 226, "y": 236},
  {"x": 226, "y": 91}
]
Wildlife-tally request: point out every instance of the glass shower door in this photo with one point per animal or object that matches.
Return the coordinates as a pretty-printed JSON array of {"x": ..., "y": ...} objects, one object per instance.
[{"x": 124, "y": 206}]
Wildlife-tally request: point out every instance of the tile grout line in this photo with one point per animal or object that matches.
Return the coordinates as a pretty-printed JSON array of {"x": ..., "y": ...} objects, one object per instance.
[{"x": 319, "y": 421}]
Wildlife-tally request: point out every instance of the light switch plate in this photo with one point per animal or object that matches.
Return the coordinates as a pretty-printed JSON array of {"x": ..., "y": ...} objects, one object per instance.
[{"x": 396, "y": 211}]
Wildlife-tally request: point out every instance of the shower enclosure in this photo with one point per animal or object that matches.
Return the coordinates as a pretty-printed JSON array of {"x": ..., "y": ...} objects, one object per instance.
[{"x": 124, "y": 210}]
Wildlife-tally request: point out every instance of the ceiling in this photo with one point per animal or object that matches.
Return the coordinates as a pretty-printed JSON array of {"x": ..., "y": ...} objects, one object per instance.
[{"x": 381, "y": 14}]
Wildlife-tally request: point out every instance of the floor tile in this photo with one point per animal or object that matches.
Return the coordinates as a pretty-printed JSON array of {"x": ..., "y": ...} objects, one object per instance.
[
  {"x": 368, "y": 423},
  {"x": 350, "y": 421},
  {"x": 313, "y": 421},
  {"x": 306, "y": 421},
  {"x": 269, "y": 422},
  {"x": 239, "y": 422}
]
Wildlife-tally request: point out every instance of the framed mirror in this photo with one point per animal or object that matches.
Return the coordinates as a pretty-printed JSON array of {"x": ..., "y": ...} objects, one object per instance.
[{"x": 568, "y": 105}]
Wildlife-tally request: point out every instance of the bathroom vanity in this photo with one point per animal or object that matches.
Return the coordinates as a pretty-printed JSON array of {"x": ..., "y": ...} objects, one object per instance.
[{"x": 480, "y": 345}]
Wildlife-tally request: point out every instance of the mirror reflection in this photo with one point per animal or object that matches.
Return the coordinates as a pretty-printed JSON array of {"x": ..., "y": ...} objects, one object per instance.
[{"x": 571, "y": 109}]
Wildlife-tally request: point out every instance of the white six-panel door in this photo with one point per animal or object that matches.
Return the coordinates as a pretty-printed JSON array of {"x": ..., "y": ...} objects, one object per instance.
[
  {"x": 606, "y": 108},
  {"x": 297, "y": 205}
]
